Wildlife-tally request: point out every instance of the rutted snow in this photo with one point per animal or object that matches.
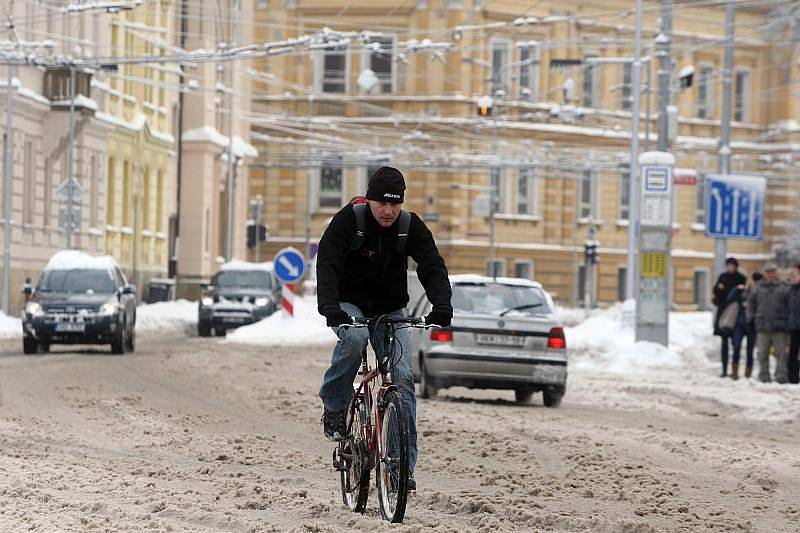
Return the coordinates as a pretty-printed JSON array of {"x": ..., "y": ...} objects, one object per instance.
[
  {"x": 306, "y": 327},
  {"x": 179, "y": 316}
]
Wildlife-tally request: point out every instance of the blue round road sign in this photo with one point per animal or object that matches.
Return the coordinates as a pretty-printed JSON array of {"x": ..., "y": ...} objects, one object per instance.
[{"x": 290, "y": 265}]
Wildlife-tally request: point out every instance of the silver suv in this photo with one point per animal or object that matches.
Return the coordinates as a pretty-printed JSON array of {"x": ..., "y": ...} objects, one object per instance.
[{"x": 503, "y": 336}]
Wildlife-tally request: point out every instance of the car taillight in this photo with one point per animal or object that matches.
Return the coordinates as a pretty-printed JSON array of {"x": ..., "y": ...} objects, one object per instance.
[
  {"x": 556, "y": 339},
  {"x": 442, "y": 334}
]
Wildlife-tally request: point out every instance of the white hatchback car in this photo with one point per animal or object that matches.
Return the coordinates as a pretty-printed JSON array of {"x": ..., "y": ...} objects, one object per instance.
[{"x": 503, "y": 336}]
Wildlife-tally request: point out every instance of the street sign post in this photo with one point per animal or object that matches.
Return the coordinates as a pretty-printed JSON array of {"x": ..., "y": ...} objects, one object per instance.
[
  {"x": 290, "y": 266},
  {"x": 655, "y": 244},
  {"x": 735, "y": 207}
]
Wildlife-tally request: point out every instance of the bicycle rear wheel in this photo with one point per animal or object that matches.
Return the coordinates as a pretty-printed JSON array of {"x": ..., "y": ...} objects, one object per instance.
[
  {"x": 392, "y": 464},
  {"x": 356, "y": 469}
]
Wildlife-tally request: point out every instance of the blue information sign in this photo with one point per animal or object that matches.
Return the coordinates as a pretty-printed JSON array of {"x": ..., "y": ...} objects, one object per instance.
[
  {"x": 735, "y": 207},
  {"x": 290, "y": 265}
]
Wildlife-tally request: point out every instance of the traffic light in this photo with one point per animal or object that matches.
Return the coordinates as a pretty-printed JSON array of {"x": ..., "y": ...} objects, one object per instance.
[
  {"x": 485, "y": 104},
  {"x": 251, "y": 236},
  {"x": 590, "y": 253}
]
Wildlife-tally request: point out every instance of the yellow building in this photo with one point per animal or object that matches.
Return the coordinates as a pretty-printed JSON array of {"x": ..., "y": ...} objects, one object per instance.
[{"x": 557, "y": 143}]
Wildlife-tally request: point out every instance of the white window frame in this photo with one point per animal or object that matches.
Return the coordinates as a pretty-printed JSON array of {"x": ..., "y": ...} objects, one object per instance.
[
  {"x": 594, "y": 195},
  {"x": 526, "y": 262},
  {"x": 504, "y": 76},
  {"x": 326, "y": 162},
  {"x": 624, "y": 191},
  {"x": 591, "y": 98},
  {"x": 742, "y": 114},
  {"x": 501, "y": 263},
  {"x": 626, "y": 89},
  {"x": 706, "y": 109},
  {"x": 366, "y": 62},
  {"x": 318, "y": 59},
  {"x": 699, "y": 212},
  {"x": 530, "y": 173},
  {"x": 533, "y": 71}
]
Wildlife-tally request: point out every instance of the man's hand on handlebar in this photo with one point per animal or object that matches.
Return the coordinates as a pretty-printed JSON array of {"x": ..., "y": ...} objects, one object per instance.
[
  {"x": 336, "y": 317},
  {"x": 438, "y": 318}
]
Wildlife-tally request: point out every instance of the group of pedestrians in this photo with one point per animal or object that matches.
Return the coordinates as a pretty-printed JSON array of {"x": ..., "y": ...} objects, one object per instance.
[{"x": 764, "y": 311}]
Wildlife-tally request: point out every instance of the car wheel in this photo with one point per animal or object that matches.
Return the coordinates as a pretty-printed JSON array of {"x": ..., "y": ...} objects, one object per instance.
[
  {"x": 523, "y": 396},
  {"x": 29, "y": 345},
  {"x": 427, "y": 389},
  {"x": 552, "y": 395},
  {"x": 118, "y": 342},
  {"x": 219, "y": 332},
  {"x": 130, "y": 343},
  {"x": 203, "y": 328}
]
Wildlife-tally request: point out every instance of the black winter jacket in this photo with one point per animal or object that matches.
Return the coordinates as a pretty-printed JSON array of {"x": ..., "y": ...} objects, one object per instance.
[
  {"x": 729, "y": 282},
  {"x": 373, "y": 278},
  {"x": 793, "y": 303}
]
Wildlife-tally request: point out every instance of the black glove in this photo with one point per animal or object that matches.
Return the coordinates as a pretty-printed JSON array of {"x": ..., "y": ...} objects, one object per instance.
[
  {"x": 336, "y": 317},
  {"x": 440, "y": 318}
]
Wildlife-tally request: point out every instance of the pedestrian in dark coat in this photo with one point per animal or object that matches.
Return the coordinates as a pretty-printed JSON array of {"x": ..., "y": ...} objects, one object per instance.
[
  {"x": 727, "y": 281},
  {"x": 751, "y": 335},
  {"x": 793, "y": 303},
  {"x": 768, "y": 306}
]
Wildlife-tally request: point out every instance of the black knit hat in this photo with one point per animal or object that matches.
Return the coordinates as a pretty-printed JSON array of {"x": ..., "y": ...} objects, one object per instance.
[
  {"x": 386, "y": 185},
  {"x": 732, "y": 261}
]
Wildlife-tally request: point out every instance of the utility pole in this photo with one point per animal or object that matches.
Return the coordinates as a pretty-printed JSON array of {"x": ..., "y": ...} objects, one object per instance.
[
  {"x": 721, "y": 245},
  {"x": 230, "y": 185},
  {"x": 493, "y": 198},
  {"x": 7, "y": 187},
  {"x": 664, "y": 53},
  {"x": 71, "y": 159},
  {"x": 633, "y": 223}
]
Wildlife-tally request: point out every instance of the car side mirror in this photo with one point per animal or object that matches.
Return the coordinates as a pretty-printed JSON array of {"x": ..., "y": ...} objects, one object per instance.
[
  {"x": 208, "y": 286},
  {"x": 129, "y": 289}
]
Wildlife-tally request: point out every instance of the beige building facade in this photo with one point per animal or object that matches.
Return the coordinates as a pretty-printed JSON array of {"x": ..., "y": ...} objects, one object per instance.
[{"x": 556, "y": 146}]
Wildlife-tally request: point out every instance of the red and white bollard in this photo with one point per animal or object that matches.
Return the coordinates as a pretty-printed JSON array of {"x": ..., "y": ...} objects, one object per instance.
[{"x": 287, "y": 298}]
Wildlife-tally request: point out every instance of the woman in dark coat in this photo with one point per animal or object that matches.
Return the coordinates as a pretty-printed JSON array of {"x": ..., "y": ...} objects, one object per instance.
[{"x": 728, "y": 281}]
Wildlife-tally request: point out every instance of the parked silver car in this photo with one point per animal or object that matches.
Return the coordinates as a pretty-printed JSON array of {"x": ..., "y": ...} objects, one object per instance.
[{"x": 503, "y": 336}]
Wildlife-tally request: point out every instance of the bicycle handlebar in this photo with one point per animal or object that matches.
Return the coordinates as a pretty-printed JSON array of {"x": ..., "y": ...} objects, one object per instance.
[{"x": 363, "y": 322}]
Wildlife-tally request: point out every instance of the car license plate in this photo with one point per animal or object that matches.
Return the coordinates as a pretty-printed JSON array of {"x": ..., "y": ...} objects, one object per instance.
[
  {"x": 233, "y": 319},
  {"x": 500, "y": 340},
  {"x": 70, "y": 326}
]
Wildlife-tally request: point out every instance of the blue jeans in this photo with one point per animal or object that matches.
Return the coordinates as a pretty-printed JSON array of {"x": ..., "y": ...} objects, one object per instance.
[{"x": 337, "y": 385}]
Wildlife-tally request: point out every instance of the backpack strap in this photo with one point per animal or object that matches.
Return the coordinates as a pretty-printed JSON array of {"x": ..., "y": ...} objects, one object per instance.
[
  {"x": 402, "y": 231},
  {"x": 358, "y": 238}
]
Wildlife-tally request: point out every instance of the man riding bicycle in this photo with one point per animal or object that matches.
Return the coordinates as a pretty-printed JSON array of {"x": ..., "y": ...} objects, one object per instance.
[{"x": 361, "y": 271}]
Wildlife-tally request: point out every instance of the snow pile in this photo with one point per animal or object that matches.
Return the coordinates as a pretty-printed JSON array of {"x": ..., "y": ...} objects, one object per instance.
[
  {"x": 305, "y": 327},
  {"x": 10, "y": 326},
  {"x": 177, "y": 316},
  {"x": 569, "y": 316},
  {"x": 74, "y": 259},
  {"x": 605, "y": 341}
]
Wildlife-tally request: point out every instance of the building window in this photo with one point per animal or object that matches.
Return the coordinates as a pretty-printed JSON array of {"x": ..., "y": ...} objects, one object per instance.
[
  {"x": 331, "y": 72},
  {"x": 498, "y": 189},
  {"x": 581, "y": 284},
  {"x": 380, "y": 61},
  {"x": 591, "y": 83},
  {"x": 701, "y": 289},
  {"x": 207, "y": 243},
  {"x": 705, "y": 92},
  {"x": 741, "y": 98},
  {"x": 700, "y": 200},
  {"x": 523, "y": 269},
  {"x": 526, "y": 190},
  {"x": 146, "y": 209},
  {"x": 160, "y": 201},
  {"x": 29, "y": 184},
  {"x": 627, "y": 92},
  {"x": 624, "y": 191},
  {"x": 262, "y": 4},
  {"x": 93, "y": 192},
  {"x": 500, "y": 61},
  {"x": 126, "y": 193},
  {"x": 496, "y": 268},
  {"x": 530, "y": 63},
  {"x": 111, "y": 189},
  {"x": 622, "y": 280},
  {"x": 48, "y": 192},
  {"x": 331, "y": 183},
  {"x": 588, "y": 194}
]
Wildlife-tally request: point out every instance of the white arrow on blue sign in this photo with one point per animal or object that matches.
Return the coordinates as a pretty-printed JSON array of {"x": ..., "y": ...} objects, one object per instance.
[
  {"x": 735, "y": 207},
  {"x": 290, "y": 265}
]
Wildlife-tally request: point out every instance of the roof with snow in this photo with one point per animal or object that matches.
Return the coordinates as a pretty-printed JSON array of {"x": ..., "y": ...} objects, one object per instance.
[
  {"x": 241, "y": 148},
  {"x": 77, "y": 260},
  {"x": 237, "y": 264}
]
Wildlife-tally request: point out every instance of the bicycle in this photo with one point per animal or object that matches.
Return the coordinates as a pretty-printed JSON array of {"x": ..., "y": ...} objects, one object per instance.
[{"x": 377, "y": 429}]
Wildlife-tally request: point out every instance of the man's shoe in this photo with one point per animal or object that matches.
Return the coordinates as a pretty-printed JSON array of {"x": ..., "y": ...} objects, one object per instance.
[
  {"x": 412, "y": 483},
  {"x": 334, "y": 424}
]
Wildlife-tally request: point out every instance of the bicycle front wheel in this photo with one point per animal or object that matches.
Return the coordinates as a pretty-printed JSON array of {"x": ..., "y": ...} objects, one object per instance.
[
  {"x": 392, "y": 464},
  {"x": 353, "y": 451}
]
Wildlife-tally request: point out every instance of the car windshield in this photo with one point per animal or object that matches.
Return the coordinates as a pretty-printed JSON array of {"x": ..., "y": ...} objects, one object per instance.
[
  {"x": 78, "y": 281},
  {"x": 246, "y": 279},
  {"x": 496, "y": 299}
]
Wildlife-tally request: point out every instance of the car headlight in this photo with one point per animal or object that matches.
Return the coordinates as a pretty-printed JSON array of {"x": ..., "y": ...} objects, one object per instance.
[
  {"x": 109, "y": 308},
  {"x": 33, "y": 308},
  {"x": 262, "y": 301},
  {"x": 207, "y": 301}
]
